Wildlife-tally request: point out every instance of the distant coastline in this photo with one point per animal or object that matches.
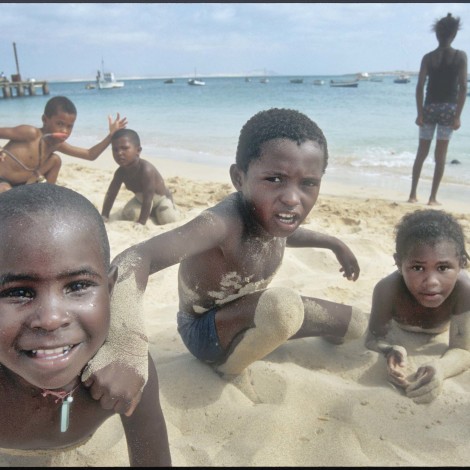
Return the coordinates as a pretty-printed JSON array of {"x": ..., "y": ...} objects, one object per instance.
[{"x": 236, "y": 75}]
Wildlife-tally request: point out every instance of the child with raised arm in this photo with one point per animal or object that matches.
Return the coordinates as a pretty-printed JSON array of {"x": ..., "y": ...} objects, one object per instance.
[
  {"x": 152, "y": 197},
  {"x": 29, "y": 155},
  {"x": 54, "y": 317},
  {"x": 429, "y": 293},
  {"x": 228, "y": 317}
]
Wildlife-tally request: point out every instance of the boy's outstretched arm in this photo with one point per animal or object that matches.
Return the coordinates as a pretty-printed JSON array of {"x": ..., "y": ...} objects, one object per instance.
[
  {"x": 94, "y": 152},
  {"x": 146, "y": 432},
  {"x": 117, "y": 373},
  {"x": 304, "y": 238}
]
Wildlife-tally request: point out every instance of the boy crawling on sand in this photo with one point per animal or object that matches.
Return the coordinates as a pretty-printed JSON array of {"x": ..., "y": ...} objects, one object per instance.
[
  {"x": 229, "y": 253},
  {"x": 29, "y": 155},
  {"x": 152, "y": 197},
  {"x": 429, "y": 293},
  {"x": 54, "y": 317}
]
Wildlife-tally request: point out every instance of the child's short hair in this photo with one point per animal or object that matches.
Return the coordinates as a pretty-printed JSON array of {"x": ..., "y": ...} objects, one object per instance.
[
  {"x": 129, "y": 133},
  {"x": 34, "y": 200},
  {"x": 59, "y": 103},
  {"x": 428, "y": 227},
  {"x": 447, "y": 26},
  {"x": 272, "y": 124}
]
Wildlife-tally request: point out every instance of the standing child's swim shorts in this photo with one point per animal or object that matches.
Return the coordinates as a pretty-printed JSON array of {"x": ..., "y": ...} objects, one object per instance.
[
  {"x": 440, "y": 115},
  {"x": 199, "y": 334}
]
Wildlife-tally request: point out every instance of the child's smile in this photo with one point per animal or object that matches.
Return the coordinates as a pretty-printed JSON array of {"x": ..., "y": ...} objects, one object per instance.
[{"x": 54, "y": 300}]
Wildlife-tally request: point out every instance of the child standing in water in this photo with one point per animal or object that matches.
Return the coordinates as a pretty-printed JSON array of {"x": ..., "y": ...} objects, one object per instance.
[
  {"x": 152, "y": 197},
  {"x": 446, "y": 92},
  {"x": 29, "y": 156},
  {"x": 228, "y": 255},
  {"x": 429, "y": 293},
  {"x": 54, "y": 318}
]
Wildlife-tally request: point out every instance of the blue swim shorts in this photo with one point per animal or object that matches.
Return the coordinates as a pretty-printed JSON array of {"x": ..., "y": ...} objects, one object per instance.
[
  {"x": 440, "y": 115},
  {"x": 199, "y": 334}
]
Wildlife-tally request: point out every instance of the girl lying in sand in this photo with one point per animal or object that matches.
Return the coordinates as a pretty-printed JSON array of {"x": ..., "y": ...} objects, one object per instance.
[{"x": 429, "y": 293}]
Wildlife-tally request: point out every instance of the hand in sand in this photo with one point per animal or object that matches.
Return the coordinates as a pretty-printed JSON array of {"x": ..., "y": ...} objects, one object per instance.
[
  {"x": 425, "y": 385},
  {"x": 396, "y": 363},
  {"x": 115, "y": 390},
  {"x": 117, "y": 124}
]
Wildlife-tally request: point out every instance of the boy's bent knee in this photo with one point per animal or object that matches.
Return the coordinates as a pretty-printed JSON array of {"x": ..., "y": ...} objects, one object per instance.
[{"x": 280, "y": 310}]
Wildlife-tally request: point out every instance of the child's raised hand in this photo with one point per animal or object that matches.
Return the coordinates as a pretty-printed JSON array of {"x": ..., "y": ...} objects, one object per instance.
[
  {"x": 117, "y": 124},
  {"x": 349, "y": 265},
  {"x": 425, "y": 385}
]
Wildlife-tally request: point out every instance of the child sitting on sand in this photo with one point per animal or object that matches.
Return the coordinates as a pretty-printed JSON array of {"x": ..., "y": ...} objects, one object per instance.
[
  {"x": 429, "y": 293},
  {"x": 29, "y": 155},
  {"x": 229, "y": 253},
  {"x": 152, "y": 197},
  {"x": 54, "y": 317}
]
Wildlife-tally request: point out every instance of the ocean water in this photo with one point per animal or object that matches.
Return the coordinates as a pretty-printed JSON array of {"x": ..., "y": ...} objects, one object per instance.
[{"x": 371, "y": 134}]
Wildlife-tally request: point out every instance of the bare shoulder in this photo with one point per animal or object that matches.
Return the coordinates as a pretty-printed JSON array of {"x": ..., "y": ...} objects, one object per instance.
[
  {"x": 148, "y": 166},
  {"x": 389, "y": 285},
  {"x": 23, "y": 133},
  {"x": 462, "y": 292}
]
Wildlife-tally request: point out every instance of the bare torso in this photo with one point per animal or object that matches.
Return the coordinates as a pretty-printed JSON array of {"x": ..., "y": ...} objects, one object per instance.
[
  {"x": 31, "y": 421},
  {"x": 142, "y": 177},
  {"x": 31, "y": 154},
  {"x": 240, "y": 265}
]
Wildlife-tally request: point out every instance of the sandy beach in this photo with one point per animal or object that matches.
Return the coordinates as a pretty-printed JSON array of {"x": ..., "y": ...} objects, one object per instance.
[{"x": 309, "y": 403}]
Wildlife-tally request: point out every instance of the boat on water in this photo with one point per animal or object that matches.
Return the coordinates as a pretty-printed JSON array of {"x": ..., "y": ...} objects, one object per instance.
[
  {"x": 344, "y": 83},
  {"x": 296, "y": 80},
  {"x": 169, "y": 80},
  {"x": 264, "y": 80},
  {"x": 90, "y": 86},
  {"x": 319, "y": 82},
  {"x": 106, "y": 80},
  {"x": 195, "y": 82},
  {"x": 402, "y": 79}
]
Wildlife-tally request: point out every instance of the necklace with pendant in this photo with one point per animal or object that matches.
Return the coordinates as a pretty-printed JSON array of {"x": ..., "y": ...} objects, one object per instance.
[{"x": 67, "y": 400}]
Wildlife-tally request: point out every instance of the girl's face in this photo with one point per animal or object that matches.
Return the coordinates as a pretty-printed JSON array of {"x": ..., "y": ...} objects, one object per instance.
[
  {"x": 281, "y": 187},
  {"x": 430, "y": 272}
]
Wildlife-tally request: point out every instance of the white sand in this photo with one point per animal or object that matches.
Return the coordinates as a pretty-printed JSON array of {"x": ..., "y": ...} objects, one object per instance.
[{"x": 309, "y": 403}]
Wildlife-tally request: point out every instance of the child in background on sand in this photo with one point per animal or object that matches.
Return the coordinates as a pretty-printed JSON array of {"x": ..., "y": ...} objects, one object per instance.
[
  {"x": 446, "y": 71},
  {"x": 429, "y": 293},
  {"x": 228, "y": 317},
  {"x": 54, "y": 317},
  {"x": 29, "y": 155},
  {"x": 152, "y": 197}
]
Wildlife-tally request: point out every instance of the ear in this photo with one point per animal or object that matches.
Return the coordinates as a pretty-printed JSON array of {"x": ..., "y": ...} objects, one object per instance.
[
  {"x": 43, "y": 119},
  {"x": 397, "y": 262},
  {"x": 112, "y": 277},
  {"x": 139, "y": 149},
  {"x": 236, "y": 175}
]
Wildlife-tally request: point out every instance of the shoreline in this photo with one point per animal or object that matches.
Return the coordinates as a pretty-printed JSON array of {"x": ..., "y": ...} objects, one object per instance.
[{"x": 453, "y": 197}]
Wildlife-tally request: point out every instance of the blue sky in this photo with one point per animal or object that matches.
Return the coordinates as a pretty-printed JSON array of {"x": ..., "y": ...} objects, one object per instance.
[{"x": 68, "y": 40}]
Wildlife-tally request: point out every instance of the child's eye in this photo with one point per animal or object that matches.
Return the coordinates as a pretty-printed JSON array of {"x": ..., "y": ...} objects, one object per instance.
[
  {"x": 310, "y": 182},
  {"x": 443, "y": 268},
  {"x": 79, "y": 286},
  {"x": 417, "y": 268},
  {"x": 274, "y": 179},
  {"x": 17, "y": 292}
]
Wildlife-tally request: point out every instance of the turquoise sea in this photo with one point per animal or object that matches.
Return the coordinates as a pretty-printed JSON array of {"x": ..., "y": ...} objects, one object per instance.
[{"x": 370, "y": 129}]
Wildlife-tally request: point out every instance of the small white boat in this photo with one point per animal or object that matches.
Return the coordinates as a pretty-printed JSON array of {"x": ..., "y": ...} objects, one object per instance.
[
  {"x": 193, "y": 81},
  {"x": 319, "y": 82},
  {"x": 344, "y": 83},
  {"x": 264, "y": 80},
  {"x": 90, "y": 86},
  {"x": 106, "y": 80}
]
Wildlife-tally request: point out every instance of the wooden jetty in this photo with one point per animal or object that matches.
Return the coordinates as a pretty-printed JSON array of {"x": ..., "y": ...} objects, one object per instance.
[
  {"x": 18, "y": 85},
  {"x": 20, "y": 88}
]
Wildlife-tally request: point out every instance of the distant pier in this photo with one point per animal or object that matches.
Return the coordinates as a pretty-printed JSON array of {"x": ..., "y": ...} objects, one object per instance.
[{"x": 20, "y": 88}]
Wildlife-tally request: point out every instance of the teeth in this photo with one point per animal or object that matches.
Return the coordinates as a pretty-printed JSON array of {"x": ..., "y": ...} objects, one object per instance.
[
  {"x": 50, "y": 352},
  {"x": 286, "y": 216}
]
